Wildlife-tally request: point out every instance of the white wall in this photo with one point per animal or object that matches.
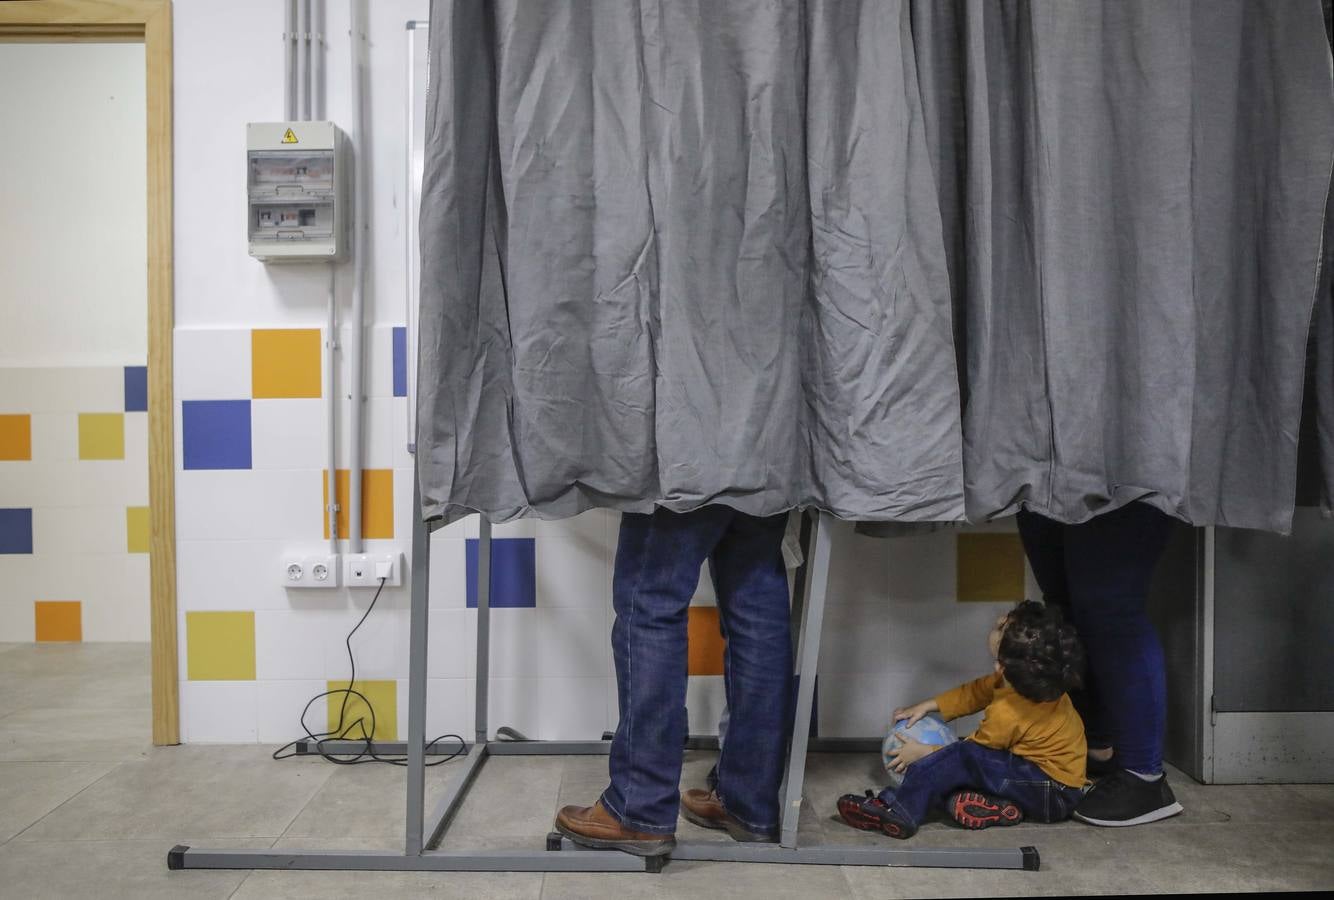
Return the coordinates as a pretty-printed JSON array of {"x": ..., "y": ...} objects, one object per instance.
[
  {"x": 229, "y": 72},
  {"x": 73, "y": 205}
]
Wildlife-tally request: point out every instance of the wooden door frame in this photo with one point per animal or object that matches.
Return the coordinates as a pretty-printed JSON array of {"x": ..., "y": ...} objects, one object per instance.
[{"x": 149, "y": 22}]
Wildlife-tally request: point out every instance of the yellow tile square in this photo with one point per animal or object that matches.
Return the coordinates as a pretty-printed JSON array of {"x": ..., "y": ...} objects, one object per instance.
[
  {"x": 220, "y": 646},
  {"x": 990, "y": 568},
  {"x": 15, "y": 438},
  {"x": 285, "y": 363},
  {"x": 101, "y": 435},
  {"x": 706, "y": 645},
  {"x": 58, "y": 620},
  {"x": 377, "y": 503},
  {"x": 136, "y": 529},
  {"x": 383, "y": 696}
]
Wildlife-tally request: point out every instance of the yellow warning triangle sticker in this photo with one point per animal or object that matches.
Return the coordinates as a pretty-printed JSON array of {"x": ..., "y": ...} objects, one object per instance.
[{"x": 289, "y": 137}]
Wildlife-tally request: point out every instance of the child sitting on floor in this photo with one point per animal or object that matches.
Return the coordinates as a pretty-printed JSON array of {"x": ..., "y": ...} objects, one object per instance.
[{"x": 1026, "y": 759}]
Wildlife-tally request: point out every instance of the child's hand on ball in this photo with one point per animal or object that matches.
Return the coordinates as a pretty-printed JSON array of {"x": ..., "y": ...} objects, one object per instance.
[
  {"x": 910, "y": 752},
  {"x": 913, "y": 713}
]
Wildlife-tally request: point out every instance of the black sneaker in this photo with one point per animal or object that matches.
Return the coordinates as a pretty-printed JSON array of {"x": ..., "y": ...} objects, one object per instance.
[
  {"x": 870, "y": 813},
  {"x": 1124, "y": 798},
  {"x": 974, "y": 810}
]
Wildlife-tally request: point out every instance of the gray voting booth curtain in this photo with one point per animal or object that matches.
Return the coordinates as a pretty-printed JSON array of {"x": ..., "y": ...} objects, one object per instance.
[
  {"x": 1324, "y": 387},
  {"x": 1133, "y": 195},
  {"x": 1322, "y": 339},
  {"x": 682, "y": 253},
  {"x": 695, "y": 252},
  {"x": 1322, "y": 369}
]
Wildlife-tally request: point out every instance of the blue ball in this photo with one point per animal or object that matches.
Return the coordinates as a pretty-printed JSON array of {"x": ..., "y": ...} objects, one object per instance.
[{"x": 930, "y": 729}]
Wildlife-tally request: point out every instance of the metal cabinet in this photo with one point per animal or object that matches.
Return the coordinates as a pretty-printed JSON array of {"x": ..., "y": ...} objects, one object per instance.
[{"x": 1247, "y": 622}]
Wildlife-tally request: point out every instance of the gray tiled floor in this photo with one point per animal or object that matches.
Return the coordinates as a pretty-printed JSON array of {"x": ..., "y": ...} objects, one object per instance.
[{"x": 87, "y": 806}]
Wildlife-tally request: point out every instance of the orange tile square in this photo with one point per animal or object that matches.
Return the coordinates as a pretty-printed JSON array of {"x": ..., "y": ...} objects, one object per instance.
[
  {"x": 285, "y": 363},
  {"x": 59, "y": 620},
  {"x": 15, "y": 438},
  {"x": 705, "y": 655},
  {"x": 377, "y": 503},
  {"x": 990, "y": 568}
]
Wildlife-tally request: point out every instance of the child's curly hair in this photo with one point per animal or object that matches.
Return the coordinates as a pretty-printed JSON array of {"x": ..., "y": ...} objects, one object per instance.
[{"x": 1040, "y": 653}]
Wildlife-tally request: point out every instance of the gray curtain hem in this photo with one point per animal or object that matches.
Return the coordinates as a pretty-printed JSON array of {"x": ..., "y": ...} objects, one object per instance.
[{"x": 581, "y": 499}]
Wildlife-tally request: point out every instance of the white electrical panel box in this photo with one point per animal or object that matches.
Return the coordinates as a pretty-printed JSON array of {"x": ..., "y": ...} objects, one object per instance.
[{"x": 298, "y": 181}]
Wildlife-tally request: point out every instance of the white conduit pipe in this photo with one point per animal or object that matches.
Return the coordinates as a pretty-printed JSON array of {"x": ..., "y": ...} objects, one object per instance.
[
  {"x": 303, "y": 52},
  {"x": 410, "y": 240},
  {"x": 289, "y": 63},
  {"x": 330, "y": 404},
  {"x": 359, "y": 240},
  {"x": 318, "y": 46}
]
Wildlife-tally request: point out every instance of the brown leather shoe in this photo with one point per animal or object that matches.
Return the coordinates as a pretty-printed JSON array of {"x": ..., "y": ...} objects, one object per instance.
[
  {"x": 593, "y": 826},
  {"x": 705, "y": 809}
]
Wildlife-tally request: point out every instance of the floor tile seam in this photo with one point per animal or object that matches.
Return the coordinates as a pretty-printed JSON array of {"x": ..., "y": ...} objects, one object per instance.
[
  {"x": 168, "y": 842},
  {"x": 248, "y": 873},
  {"x": 329, "y": 771},
  {"x": 61, "y": 804},
  {"x": 244, "y": 879},
  {"x": 143, "y": 761},
  {"x": 50, "y": 762}
]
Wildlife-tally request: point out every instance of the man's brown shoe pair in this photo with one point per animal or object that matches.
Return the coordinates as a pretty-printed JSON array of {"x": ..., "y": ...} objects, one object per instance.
[
  {"x": 705, "y": 809},
  {"x": 593, "y": 826}
]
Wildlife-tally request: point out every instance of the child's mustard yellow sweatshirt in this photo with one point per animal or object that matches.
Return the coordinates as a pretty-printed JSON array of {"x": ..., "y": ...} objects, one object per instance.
[{"x": 1050, "y": 735}]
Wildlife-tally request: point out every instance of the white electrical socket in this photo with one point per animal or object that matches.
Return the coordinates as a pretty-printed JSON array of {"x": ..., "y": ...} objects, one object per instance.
[
  {"x": 316, "y": 571},
  {"x": 366, "y": 569}
]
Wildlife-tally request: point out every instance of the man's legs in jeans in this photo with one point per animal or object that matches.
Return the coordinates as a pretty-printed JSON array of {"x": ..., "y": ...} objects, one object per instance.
[
  {"x": 658, "y": 559},
  {"x": 751, "y": 583}
]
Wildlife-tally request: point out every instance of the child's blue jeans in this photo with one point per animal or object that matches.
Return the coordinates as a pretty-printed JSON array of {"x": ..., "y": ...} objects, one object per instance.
[{"x": 966, "y": 765}]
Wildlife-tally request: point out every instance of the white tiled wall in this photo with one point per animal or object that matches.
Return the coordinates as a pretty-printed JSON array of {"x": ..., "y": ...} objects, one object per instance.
[{"x": 80, "y": 551}]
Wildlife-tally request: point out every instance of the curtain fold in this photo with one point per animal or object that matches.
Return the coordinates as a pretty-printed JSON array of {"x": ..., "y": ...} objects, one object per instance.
[
  {"x": 678, "y": 254},
  {"x": 895, "y": 260},
  {"x": 1324, "y": 375},
  {"x": 1133, "y": 195},
  {"x": 1323, "y": 338}
]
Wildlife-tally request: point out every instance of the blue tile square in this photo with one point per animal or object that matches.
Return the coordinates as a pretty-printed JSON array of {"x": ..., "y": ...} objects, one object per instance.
[
  {"x": 400, "y": 361},
  {"x": 216, "y": 434},
  {"x": 15, "y": 530},
  {"x": 513, "y": 572},
  {"x": 136, "y": 389}
]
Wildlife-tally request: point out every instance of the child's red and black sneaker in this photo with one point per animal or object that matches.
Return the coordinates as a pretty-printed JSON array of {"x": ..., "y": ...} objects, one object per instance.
[
  {"x": 870, "y": 813},
  {"x": 974, "y": 810}
]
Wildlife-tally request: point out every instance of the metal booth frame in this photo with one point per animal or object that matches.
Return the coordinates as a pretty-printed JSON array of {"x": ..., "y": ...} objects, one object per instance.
[{"x": 423, "y": 831}]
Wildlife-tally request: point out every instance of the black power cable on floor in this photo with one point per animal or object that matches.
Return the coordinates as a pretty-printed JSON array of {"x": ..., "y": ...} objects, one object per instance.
[{"x": 344, "y": 730}]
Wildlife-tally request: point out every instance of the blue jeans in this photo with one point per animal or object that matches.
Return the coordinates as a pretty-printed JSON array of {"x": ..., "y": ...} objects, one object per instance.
[
  {"x": 965, "y": 765},
  {"x": 658, "y": 560},
  {"x": 1099, "y": 572}
]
